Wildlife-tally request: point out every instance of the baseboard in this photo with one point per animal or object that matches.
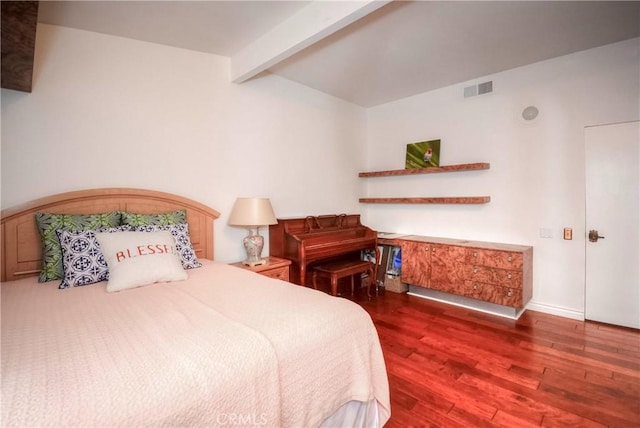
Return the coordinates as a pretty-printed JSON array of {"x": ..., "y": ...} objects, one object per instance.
[{"x": 556, "y": 310}]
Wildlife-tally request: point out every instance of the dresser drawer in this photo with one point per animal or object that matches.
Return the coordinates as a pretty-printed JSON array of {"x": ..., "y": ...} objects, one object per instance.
[
  {"x": 278, "y": 273},
  {"x": 494, "y": 258},
  {"x": 494, "y": 293},
  {"x": 447, "y": 286},
  {"x": 489, "y": 275}
]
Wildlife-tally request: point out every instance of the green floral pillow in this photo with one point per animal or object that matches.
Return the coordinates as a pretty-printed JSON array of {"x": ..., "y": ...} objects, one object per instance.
[
  {"x": 51, "y": 250},
  {"x": 176, "y": 217}
]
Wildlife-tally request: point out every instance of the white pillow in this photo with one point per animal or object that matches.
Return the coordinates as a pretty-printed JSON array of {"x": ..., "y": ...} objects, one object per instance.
[
  {"x": 140, "y": 258},
  {"x": 180, "y": 233}
]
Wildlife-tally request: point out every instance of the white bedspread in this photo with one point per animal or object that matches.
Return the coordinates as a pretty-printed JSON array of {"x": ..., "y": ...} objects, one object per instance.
[{"x": 225, "y": 348}]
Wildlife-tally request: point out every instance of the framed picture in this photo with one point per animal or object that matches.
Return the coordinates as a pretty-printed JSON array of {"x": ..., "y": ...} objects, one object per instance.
[
  {"x": 423, "y": 154},
  {"x": 370, "y": 255}
]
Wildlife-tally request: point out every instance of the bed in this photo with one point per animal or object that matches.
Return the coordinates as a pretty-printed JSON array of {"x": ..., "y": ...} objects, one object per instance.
[{"x": 223, "y": 347}]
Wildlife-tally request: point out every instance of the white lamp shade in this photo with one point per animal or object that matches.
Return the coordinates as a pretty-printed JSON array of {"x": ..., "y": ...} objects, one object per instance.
[{"x": 252, "y": 212}]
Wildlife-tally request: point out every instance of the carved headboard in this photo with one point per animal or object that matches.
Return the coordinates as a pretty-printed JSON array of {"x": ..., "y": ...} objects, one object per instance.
[{"x": 21, "y": 246}]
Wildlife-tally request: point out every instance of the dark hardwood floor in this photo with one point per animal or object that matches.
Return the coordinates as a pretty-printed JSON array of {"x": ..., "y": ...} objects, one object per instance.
[{"x": 453, "y": 367}]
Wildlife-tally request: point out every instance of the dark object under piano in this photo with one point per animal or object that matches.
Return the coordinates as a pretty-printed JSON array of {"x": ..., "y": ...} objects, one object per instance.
[{"x": 311, "y": 240}]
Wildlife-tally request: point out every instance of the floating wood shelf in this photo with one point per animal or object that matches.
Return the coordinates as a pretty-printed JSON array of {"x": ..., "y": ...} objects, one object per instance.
[
  {"x": 431, "y": 170},
  {"x": 444, "y": 200}
]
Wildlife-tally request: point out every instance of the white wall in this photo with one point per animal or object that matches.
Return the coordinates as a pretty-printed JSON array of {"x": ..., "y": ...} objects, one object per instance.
[
  {"x": 114, "y": 112},
  {"x": 536, "y": 178},
  {"x": 108, "y": 111}
]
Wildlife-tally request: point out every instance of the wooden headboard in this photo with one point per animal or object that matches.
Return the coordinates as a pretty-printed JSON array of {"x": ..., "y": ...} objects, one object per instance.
[{"x": 21, "y": 246}]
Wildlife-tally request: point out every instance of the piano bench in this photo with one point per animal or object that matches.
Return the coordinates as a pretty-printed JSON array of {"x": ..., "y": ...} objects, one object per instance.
[{"x": 340, "y": 269}]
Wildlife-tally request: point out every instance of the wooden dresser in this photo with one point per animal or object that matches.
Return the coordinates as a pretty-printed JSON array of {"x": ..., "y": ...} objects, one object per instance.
[{"x": 491, "y": 272}]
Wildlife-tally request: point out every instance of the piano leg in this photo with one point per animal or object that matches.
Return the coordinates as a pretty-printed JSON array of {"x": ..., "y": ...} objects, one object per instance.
[{"x": 303, "y": 274}]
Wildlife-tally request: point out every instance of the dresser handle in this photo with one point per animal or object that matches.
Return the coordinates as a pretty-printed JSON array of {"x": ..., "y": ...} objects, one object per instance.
[
  {"x": 475, "y": 269},
  {"x": 510, "y": 258},
  {"x": 509, "y": 275},
  {"x": 475, "y": 254},
  {"x": 509, "y": 293},
  {"x": 433, "y": 249},
  {"x": 426, "y": 248},
  {"x": 475, "y": 287}
]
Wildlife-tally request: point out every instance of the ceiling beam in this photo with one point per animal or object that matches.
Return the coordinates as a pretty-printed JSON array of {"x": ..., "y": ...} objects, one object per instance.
[
  {"x": 309, "y": 25},
  {"x": 18, "y": 39}
]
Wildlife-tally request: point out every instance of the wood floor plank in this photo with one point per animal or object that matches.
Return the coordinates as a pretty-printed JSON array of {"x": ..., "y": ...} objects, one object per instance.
[
  {"x": 554, "y": 404},
  {"x": 413, "y": 397},
  {"x": 453, "y": 367},
  {"x": 426, "y": 416},
  {"x": 572, "y": 421},
  {"x": 503, "y": 419},
  {"x": 461, "y": 416},
  {"x": 611, "y": 358},
  {"x": 631, "y": 389},
  {"x": 508, "y": 374},
  {"x": 580, "y": 359},
  {"x": 617, "y": 399},
  {"x": 621, "y": 354},
  {"x": 438, "y": 380}
]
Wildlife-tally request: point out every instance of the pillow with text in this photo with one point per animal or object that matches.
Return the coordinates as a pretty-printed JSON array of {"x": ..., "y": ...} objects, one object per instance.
[
  {"x": 135, "y": 259},
  {"x": 180, "y": 233}
]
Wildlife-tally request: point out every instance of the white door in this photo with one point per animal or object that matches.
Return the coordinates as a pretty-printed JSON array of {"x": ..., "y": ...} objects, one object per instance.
[{"x": 612, "y": 157}]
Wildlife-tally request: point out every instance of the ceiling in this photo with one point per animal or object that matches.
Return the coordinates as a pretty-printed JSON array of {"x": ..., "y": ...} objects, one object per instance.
[{"x": 368, "y": 55}]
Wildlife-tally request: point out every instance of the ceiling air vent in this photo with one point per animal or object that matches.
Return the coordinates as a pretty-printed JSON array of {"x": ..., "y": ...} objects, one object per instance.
[
  {"x": 470, "y": 91},
  {"x": 479, "y": 89},
  {"x": 485, "y": 88}
]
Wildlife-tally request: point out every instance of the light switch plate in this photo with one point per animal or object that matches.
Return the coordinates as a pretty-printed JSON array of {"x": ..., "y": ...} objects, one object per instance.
[{"x": 568, "y": 233}]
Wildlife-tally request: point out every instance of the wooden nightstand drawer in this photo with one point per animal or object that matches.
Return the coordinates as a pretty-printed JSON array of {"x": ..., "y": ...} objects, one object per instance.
[
  {"x": 278, "y": 273},
  {"x": 275, "y": 267}
]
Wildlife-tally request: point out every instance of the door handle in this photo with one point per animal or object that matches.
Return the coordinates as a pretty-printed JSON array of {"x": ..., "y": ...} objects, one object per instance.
[{"x": 593, "y": 236}]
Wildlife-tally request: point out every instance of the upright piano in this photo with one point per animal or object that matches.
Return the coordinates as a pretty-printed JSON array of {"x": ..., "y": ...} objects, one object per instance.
[{"x": 314, "y": 240}]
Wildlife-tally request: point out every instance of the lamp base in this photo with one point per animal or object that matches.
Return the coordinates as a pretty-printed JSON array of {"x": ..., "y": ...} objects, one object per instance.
[{"x": 253, "y": 244}]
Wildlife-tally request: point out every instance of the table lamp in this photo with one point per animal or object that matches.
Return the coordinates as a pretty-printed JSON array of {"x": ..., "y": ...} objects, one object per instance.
[{"x": 252, "y": 213}]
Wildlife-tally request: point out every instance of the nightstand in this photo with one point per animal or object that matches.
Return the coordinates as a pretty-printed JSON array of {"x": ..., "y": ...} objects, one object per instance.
[{"x": 275, "y": 267}]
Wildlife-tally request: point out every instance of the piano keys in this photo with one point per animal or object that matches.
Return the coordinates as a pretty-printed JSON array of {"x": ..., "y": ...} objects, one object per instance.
[{"x": 317, "y": 239}]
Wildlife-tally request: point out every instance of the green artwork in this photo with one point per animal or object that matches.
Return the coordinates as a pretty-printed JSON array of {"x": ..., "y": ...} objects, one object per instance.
[{"x": 423, "y": 154}]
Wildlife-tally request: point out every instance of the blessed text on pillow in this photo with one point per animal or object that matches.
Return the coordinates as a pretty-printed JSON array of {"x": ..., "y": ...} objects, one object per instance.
[
  {"x": 140, "y": 258},
  {"x": 180, "y": 233}
]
